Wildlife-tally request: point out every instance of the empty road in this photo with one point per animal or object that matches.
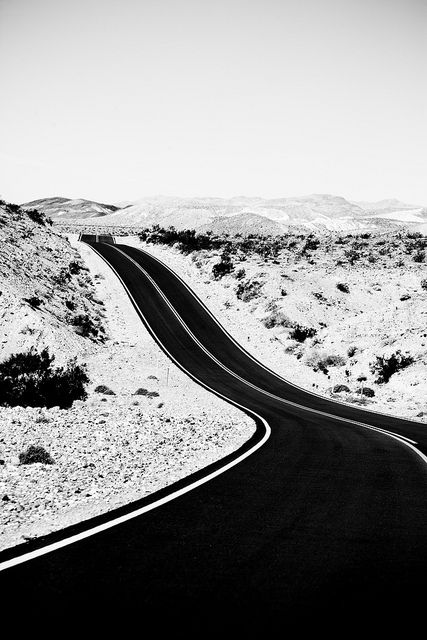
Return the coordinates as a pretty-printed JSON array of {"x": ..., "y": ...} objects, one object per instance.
[{"x": 325, "y": 514}]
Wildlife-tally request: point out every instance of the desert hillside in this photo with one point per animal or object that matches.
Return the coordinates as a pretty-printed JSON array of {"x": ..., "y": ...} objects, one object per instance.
[
  {"x": 321, "y": 310},
  {"x": 47, "y": 295},
  {"x": 64, "y": 208}
]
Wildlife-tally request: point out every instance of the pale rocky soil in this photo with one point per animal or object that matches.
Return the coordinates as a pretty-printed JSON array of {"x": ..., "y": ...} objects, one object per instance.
[
  {"x": 35, "y": 262},
  {"x": 111, "y": 449},
  {"x": 385, "y": 310}
]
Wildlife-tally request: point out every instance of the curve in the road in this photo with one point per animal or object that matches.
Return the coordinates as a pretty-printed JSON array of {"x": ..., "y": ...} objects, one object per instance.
[{"x": 325, "y": 512}]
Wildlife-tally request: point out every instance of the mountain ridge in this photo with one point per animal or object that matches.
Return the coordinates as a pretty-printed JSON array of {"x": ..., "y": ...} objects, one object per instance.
[{"x": 314, "y": 211}]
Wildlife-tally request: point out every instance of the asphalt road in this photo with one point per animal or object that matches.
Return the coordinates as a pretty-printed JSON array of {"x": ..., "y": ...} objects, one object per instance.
[{"x": 326, "y": 520}]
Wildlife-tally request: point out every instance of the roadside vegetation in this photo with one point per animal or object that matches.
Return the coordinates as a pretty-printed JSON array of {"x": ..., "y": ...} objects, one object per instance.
[
  {"x": 30, "y": 380},
  {"x": 347, "y": 312}
]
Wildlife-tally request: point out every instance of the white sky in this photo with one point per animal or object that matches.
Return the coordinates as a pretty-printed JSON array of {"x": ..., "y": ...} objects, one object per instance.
[{"x": 117, "y": 99}]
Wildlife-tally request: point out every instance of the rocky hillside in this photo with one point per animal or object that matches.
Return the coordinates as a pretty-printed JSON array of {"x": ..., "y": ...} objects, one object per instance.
[{"x": 47, "y": 297}]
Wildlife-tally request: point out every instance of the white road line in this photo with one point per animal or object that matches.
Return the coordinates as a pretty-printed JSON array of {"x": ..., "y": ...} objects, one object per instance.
[
  {"x": 250, "y": 384},
  {"x": 172, "y": 496},
  {"x": 274, "y": 373}
]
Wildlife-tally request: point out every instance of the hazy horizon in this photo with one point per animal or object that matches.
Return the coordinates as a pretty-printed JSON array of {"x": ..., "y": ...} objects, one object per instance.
[
  {"x": 109, "y": 101},
  {"x": 215, "y": 197}
]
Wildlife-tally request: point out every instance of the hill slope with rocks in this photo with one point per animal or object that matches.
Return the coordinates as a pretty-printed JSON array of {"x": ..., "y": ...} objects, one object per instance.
[{"x": 47, "y": 295}]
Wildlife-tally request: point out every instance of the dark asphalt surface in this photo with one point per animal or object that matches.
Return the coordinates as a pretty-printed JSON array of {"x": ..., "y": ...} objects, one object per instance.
[{"x": 326, "y": 521}]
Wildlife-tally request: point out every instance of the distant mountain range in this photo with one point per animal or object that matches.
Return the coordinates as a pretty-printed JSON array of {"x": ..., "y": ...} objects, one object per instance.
[{"x": 237, "y": 215}]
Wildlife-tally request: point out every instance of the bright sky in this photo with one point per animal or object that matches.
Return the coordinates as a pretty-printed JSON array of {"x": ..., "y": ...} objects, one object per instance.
[{"x": 118, "y": 99}]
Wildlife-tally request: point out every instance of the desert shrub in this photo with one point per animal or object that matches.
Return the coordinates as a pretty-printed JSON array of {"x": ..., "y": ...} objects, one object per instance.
[
  {"x": 70, "y": 304},
  {"x": 300, "y": 333},
  {"x": 276, "y": 319},
  {"x": 352, "y": 255},
  {"x": 351, "y": 351},
  {"x": 222, "y": 268},
  {"x": 144, "y": 392},
  {"x": 385, "y": 366},
  {"x": 33, "y": 301},
  {"x": 37, "y": 216},
  {"x": 106, "y": 391},
  {"x": 247, "y": 290},
  {"x": 424, "y": 284},
  {"x": 311, "y": 244},
  {"x": 322, "y": 363},
  {"x": 413, "y": 242},
  {"x": 366, "y": 391},
  {"x": 342, "y": 286},
  {"x": 331, "y": 361},
  {"x": 62, "y": 277},
  {"x": 30, "y": 380},
  {"x": 75, "y": 267},
  {"x": 339, "y": 388},
  {"x": 35, "y": 454},
  {"x": 188, "y": 241},
  {"x": 240, "y": 274},
  {"x": 85, "y": 326},
  {"x": 13, "y": 208},
  {"x": 419, "y": 256}
]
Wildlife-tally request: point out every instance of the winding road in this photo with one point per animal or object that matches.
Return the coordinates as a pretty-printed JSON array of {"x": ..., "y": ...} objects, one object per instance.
[{"x": 323, "y": 512}]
